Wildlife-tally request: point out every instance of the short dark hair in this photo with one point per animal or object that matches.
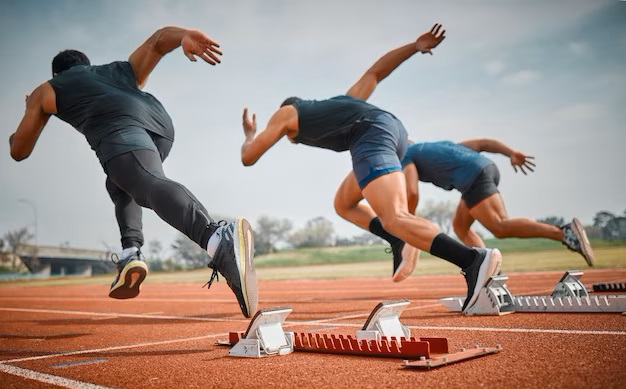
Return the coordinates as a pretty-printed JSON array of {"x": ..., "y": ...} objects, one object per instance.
[
  {"x": 68, "y": 58},
  {"x": 290, "y": 101}
]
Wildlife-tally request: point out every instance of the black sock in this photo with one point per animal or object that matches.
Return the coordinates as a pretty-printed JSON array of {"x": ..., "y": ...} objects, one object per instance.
[
  {"x": 376, "y": 228},
  {"x": 452, "y": 251}
]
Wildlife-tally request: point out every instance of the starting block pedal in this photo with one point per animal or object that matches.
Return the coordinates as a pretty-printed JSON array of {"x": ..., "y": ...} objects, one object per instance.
[
  {"x": 265, "y": 335},
  {"x": 570, "y": 285},
  {"x": 384, "y": 321},
  {"x": 493, "y": 299}
]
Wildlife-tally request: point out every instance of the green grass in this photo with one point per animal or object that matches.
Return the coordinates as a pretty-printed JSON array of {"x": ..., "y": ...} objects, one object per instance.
[{"x": 372, "y": 261}]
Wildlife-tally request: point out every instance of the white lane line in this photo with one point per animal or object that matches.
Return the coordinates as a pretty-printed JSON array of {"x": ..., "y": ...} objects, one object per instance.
[
  {"x": 49, "y": 378},
  {"x": 111, "y": 315},
  {"x": 114, "y": 348}
]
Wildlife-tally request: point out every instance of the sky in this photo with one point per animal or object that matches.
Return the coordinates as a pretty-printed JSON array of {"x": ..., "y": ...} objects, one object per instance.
[{"x": 545, "y": 77}]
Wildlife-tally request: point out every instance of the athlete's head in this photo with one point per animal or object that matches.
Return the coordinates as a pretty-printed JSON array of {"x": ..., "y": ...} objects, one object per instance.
[
  {"x": 290, "y": 101},
  {"x": 68, "y": 58}
]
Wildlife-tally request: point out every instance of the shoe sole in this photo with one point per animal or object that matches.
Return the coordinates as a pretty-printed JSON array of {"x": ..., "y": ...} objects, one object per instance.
[
  {"x": 490, "y": 267},
  {"x": 585, "y": 246},
  {"x": 410, "y": 256},
  {"x": 129, "y": 281},
  {"x": 244, "y": 255}
]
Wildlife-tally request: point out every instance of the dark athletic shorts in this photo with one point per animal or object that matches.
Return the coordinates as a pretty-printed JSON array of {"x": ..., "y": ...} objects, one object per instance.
[
  {"x": 483, "y": 186},
  {"x": 379, "y": 148}
]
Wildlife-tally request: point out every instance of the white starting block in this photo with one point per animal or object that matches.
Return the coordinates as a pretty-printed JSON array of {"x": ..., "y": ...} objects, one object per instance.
[
  {"x": 570, "y": 285},
  {"x": 265, "y": 335},
  {"x": 384, "y": 321},
  {"x": 493, "y": 299},
  {"x": 569, "y": 295}
]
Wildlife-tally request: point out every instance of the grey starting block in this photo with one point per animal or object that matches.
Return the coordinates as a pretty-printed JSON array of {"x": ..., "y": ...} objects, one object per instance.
[
  {"x": 384, "y": 321},
  {"x": 265, "y": 335},
  {"x": 569, "y": 295},
  {"x": 570, "y": 285},
  {"x": 493, "y": 299}
]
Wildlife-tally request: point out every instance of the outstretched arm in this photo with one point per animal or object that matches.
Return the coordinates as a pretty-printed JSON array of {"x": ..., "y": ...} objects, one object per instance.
[
  {"x": 386, "y": 64},
  {"x": 255, "y": 146},
  {"x": 194, "y": 43},
  {"x": 518, "y": 158}
]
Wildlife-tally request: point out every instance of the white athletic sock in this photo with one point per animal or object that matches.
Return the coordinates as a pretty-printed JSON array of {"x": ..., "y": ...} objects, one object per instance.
[
  {"x": 214, "y": 241},
  {"x": 128, "y": 252}
]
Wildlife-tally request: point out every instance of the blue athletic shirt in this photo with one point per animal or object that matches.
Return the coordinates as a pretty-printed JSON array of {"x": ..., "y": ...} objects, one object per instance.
[
  {"x": 105, "y": 105},
  {"x": 446, "y": 164},
  {"x": 330, "y": 123}
]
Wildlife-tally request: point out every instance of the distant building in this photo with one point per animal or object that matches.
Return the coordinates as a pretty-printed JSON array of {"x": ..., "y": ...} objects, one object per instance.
[{"x": 64, "y": 261}]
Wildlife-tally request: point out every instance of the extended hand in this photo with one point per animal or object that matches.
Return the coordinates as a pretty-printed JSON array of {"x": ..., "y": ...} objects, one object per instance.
[
  {"x": 521, "y": 160},
  {"x": 195, "y": 43},
  {"x": 249, "y": 126},
  {"x": 430, "y": 39}
]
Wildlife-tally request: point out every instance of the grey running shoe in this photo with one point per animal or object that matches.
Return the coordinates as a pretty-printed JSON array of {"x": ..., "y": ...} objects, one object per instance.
[
  {"x": 233, "y": 260},
  {"x": 575, "y": 239},
  {"x": 131, "y": 271},
  {"x": 486, "y": 264},
  {"x": 405, "y": 258}
]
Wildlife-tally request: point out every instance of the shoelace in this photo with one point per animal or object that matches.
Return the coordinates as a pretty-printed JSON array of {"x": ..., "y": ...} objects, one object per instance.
[
  {"x": 115, "y": 258},
  {"x": 214, "y": 275}
]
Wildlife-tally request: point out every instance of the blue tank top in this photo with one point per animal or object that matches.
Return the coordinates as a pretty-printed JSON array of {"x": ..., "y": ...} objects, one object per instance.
[
  {"x": 446, "y": 164},
  {"x": 106, "y": 106},
  {"x": 331, "y": 123}
]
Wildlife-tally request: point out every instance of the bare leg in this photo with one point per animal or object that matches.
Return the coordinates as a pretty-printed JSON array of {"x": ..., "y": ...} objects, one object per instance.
[
  {"x": 348, "y": 203},
  {"x": 386, "y": 195},
  {"x": 492, "y": 214},
  {"x": 462, "y": 224}
]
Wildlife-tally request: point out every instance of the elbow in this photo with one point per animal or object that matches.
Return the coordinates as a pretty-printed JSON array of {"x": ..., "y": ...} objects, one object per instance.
[
  {"x": 18, "y": 155},
  {"x": 247, "y": 161}
]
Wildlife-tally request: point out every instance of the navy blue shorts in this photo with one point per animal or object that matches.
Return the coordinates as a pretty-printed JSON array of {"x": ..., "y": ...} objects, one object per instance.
[
  {"x": 378, "y": 147},
  {"x": 483, "y": 186}
]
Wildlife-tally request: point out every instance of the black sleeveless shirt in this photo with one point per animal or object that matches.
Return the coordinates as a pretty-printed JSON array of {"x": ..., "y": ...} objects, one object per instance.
[
  {"x": 100, "y": 101},
  {"x": 331, "y": 123}
]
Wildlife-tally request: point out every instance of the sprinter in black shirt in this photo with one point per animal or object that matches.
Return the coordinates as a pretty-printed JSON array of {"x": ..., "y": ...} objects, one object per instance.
[{"x": 132, "y": 134}]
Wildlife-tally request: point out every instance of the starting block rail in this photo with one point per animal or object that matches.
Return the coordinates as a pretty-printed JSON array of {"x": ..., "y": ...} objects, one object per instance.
[
  {"x": 609, "y": 287},
  {"x": 383, "y": 336},
  {"x": 605, "y": 303},
  {"x": 569, "y": 295}
]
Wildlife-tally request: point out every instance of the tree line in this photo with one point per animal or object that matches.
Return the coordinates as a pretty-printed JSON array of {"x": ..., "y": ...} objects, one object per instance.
[{"x": 273, "y": 234}]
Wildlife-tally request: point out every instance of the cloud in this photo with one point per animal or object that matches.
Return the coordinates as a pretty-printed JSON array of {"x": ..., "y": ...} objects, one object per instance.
[
  {"x": 520, "y": 78},
  {"x": 579, "y": 111},
  {"x": 494, "y": 67}
]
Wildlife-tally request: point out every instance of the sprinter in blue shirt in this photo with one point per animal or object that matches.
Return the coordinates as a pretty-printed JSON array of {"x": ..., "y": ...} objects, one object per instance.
[
  {"x": 377, "y": 142},
  {"x": 462, "y": 167}
]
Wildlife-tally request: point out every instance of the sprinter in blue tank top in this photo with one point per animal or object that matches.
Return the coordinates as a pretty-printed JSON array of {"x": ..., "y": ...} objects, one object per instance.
[
  {"x": 132, "y": 134},
  {"x": 377, "y": 142},
  {"x": 462, "y": 167}
]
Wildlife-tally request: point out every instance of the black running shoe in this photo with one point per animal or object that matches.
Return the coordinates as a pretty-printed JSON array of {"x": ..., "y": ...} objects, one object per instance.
[
  {"x": 131, "y": 271},
  {"x": 233, "y": 260},
  {"x": 486, "y": 264}
]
